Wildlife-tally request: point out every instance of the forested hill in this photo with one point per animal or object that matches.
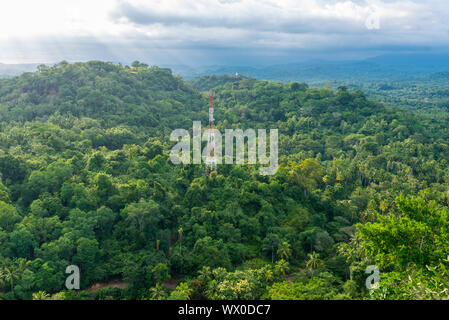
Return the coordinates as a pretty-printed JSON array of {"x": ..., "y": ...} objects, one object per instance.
[
  {"x": 86, "y": 180},
  {"x": 133, "y": 96},
  {"x": 205, "y": 83}
]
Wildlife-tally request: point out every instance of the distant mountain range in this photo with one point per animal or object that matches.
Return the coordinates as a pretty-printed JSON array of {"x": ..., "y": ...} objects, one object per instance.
[
  {"x": 392, "y": 66},
  {"x": 385, "y": 66},
  {"x": 10, "y": 70}
]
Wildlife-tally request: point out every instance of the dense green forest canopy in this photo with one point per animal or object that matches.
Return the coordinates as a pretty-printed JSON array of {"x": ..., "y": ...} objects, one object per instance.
[
  {"x": 426, "y": 93},
  {"x": 86, "y": 180}
]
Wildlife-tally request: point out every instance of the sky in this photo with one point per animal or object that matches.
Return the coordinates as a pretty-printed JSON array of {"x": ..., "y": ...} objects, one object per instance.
[{"x": 218, "y": 32}]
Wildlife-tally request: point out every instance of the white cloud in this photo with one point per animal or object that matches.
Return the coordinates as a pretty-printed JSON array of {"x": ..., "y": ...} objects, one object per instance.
[
  {"x": 27, "y": 18},
  {"x": 52, "y": 30}
]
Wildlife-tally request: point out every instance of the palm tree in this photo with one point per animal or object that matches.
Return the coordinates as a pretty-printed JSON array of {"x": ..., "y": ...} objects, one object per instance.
[
  {"x": 284, "y": 251},
  {"x": 9, "y": 275},
  {"x": 204, "y": 274},
  {"x": 281, "y": 268},
  {"x": 21, "y": 265},
  {"x": 314, "y": 261},
  {"x": 13, "y": 272},
  {"x": 184, "y": 290},
  {"x": 3, "y": 281},
  {"x": 157, "y": 292},
  {"x": 41, "y": 295}
]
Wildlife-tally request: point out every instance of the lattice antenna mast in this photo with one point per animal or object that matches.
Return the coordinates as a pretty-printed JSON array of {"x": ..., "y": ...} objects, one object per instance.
[{"x": 211, "y": 158}]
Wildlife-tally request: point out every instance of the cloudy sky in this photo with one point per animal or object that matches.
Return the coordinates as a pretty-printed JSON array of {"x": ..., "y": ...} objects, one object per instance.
[{"x": 195, "y": 32}]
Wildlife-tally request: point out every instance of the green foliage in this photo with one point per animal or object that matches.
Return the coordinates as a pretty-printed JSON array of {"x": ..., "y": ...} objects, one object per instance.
[
  {"x": 86, "y": 179},
  {"x": 317, "y": 288}
]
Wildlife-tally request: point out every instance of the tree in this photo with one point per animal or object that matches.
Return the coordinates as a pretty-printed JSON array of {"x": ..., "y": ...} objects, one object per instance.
[
  {"x": 281, "y": 268},
  {"x": 157, "y": 292},
  {"x": 12, "y": 272},
  {"x": 284, "y": 251},
  {"x": 314, "y": 262},
  {"x": 321, "y": 287},
  {"x": 180, "y": 235},
  {"x": 41, "y": 295},
  {"x": 105, "y": 220},
  {"x": 22, "y": 243},
  {"x": 86, "y": 258},
  {"x": 210, "y": 252},
  {"x": 103, "y": 187},
  {"x": 8, "y": 216},
  {"x": 270, "y": 243},
  {"x": 182, "y": 292},
  {"x": 417, "y": 236},
  {"x": 142, "y": 219},
  {"x": 160, "y": 273},
  {"x": 308, "y": 174}
]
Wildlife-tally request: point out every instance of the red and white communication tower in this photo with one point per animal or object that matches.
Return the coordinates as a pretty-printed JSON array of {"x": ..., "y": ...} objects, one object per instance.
[{"x": 211, "y": 158}]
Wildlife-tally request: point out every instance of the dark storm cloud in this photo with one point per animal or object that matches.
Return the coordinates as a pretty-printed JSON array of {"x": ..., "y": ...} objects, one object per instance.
[{"x": 256, "y": 21}]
